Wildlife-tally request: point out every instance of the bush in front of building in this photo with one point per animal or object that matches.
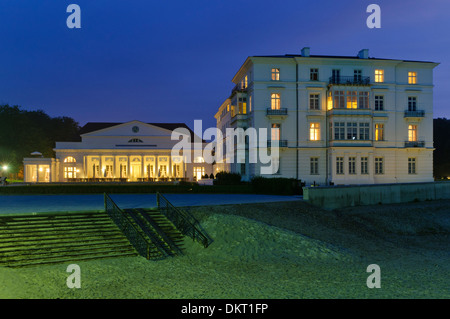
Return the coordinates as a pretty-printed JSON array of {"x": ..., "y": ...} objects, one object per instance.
[
  {"x": 276, "y": 186},
  {"x": 226, "y": 178}
]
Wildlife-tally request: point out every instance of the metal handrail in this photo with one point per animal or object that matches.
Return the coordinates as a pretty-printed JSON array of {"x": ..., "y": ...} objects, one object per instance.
[
  {"x": 126, "y": 226},
  {"x": 350, "y": 80},
  {"x": 183, "y": 221}
]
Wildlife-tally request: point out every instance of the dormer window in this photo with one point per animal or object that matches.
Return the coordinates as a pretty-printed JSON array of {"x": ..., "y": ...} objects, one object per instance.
[{"x": 135, "y": 140}]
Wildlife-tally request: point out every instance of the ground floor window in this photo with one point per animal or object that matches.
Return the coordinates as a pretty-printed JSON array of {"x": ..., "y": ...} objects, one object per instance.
[
  {"x": 70, "y": 172},
  {"x": 364, "y": 165},
  {"x": 352, "y": 165},
  {"x": 412, "y": 165},
  {"x": 314, "y": 165},
  {"x": 199, "y": 172},
  {"x": 379, "y": 167},
  {"x": 339, "y": 165}
]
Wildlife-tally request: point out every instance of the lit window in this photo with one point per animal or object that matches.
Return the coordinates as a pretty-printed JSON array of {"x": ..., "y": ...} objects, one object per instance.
[
  {"x": 314, "y": 74},
  {"x": 352, "y": 165},
  {"x": 275, "y": 132},
  {"x": 379, "y": 132},
  {"x": 314, "y": 165},
  {"x": 70, "y": 172},
  {"x": 339, "y": 165},
  {"x": 275, "y": 74},
  {"x": 199, "y": 159},
  {"x": 275, "y": 101},
  {"x": 69, "y": 159},
  {"x": 412, "y": 165},
  {"x": 412, "y": 133},
  {"x": 352, "y": 101},
  {"x": 379, "y": 169},
  {"x": 314, "y": 131},
  {"x": 314, "y": 101},
  {"x": 250, "y": 103},
  {"x": 412, "y": 77},
  {"x": 379, "y": 76}
]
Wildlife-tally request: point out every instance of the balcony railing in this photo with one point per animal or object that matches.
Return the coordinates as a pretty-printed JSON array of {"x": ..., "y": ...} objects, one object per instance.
[
  {"x": 350, "y": 80},
  {"x": 415, "y": 113},
  {"x": 276, "y": 111},
  {"x": 414, "y": 143},
  {"x": 281, "y": 143},
  {"x": 239, "y": 88}
]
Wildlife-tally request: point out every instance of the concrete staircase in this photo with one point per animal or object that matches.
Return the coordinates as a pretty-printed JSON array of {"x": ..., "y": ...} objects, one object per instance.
[{"x": 27, "y": 240}]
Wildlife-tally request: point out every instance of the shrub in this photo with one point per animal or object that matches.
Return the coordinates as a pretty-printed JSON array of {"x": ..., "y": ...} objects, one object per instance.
[
  {"x": 225, "y": 178},
  {"x": 276, "y": 186}
]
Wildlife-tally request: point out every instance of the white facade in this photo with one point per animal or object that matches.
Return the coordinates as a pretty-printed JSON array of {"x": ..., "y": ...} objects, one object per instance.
[
  {"x": 132, "y": 151},
  {"x": 341, "y": 120}
]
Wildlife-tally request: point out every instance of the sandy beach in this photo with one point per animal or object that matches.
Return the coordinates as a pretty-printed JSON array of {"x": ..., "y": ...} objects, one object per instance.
[{"x": 282, "y": 250}]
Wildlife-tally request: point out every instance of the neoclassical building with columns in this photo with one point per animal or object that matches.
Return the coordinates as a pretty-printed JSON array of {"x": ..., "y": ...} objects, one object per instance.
[{"x": 131, "y": 151}]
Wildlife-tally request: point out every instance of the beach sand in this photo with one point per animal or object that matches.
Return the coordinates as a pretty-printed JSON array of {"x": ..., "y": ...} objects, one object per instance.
[{"x": 283, "y": 250}]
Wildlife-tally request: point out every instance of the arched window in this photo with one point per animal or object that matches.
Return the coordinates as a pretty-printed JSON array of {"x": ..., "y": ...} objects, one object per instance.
[
  {"x": 135, "y": 140},
  {"x": 70, "y": 159}
]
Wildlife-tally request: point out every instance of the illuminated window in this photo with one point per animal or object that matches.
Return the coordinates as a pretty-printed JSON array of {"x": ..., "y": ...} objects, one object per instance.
[
  {"x": 379, "y": 169},
  {"x": 275, "y": 101},
  {"x": 379, "y": 132},
  {"x": 314, "y": 165},
  {"x": 69, "y": 159},
  {"x": 352, "y": 101},
  {"x": 412, "y": 165},
  {"x": 275, "y": 74},
  {"x": 379, "y": 76},
  {"x": 379, "y": 102},
  {"x": 199, "y": 159},
  {"x": 412, "y": 133},
  {"x": 314, "y": 101},
  {"x": 70, "y": 172},
  {"x": 339, "y": 165},
  {"x": 314, "y": 131},
  {"x": 250, "y": 103},
  {"x": 135, "y": 140},
  {"x": 352, "y": 165},
  {"x": 412, "y": 77},
  {"x": 275, "y": 132},
  {"x": 314, "y": 74},
  {"x": 364, "y": 165}
]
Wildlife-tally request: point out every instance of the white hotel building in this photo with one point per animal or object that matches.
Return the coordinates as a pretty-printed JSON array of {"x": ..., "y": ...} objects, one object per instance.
[{"x": 340, "y": 119}]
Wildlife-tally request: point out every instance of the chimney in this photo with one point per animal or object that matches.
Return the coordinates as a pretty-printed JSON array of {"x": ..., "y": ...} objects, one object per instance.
[
  {"x": 305, "y": 52},
  {"x": 363, "y": 54}
]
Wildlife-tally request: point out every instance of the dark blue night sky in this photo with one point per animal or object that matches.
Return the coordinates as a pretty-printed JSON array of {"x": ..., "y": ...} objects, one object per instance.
[{"x": 173, "y": 61}]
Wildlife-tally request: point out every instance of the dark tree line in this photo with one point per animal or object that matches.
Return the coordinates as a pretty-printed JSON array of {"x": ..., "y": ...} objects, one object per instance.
[
  {"x": 23, "y": 132},
  {"x": 441, "y": 132}
]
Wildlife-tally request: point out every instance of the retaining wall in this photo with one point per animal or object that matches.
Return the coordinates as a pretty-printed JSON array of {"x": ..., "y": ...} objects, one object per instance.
[{"x": 333, "y": 197}]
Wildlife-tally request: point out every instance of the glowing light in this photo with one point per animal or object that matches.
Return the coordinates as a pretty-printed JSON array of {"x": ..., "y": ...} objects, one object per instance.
[{"x": 5, "y": 167}]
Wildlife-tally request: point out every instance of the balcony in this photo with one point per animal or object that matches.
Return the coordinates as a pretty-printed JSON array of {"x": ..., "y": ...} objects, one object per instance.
[
  {"x": 349, "y": 80},
  {"x": 420, "y": 113},
  {"x": 276, "y": 112},
  {"x": 281, "y": 143},
  {"x": 239, "y": 88},
  {"x": 414, "y": 143}
]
